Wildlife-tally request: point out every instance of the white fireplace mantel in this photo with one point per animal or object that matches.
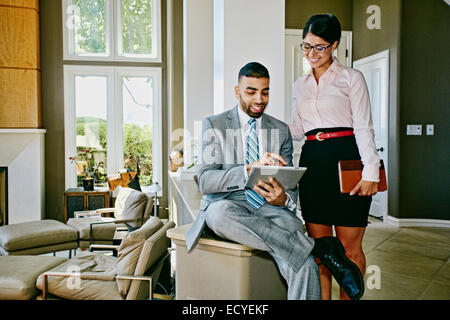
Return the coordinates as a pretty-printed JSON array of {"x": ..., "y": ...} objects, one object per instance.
[
  {"x": 22, "y": 152},
  {"x": 22, "y": 130}
]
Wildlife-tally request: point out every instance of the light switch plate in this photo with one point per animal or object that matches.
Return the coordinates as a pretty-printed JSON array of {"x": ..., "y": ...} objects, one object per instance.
[
  {"x": 430, "y": 129},
  {"x": 413, "y": 129}
]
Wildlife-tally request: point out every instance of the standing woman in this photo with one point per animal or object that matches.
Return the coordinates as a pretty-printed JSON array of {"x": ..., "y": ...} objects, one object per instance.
[{"x": 331, "y": 108}]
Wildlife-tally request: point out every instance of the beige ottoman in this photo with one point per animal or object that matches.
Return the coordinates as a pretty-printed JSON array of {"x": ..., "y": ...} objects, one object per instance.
[
  {"x": 18, "y": 275},
  {"x": 217, "y": 269},
  {"x": 102, "y": 233},
  {"x": 36, "y": 237}
]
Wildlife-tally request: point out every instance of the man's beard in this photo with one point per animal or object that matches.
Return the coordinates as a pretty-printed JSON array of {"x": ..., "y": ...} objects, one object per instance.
[{"x": 246, "y": 108}]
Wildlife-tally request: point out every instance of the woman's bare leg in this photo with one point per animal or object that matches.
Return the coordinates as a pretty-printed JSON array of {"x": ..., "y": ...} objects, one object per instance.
[
  {"x": 316, "y": 230},
  {"x": 351, "y": 238}
]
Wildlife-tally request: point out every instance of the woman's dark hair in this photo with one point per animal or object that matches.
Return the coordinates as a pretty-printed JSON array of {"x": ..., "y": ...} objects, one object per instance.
[
  {"x": 253, "y": 70},
  {"x": 325, "y": 26}
]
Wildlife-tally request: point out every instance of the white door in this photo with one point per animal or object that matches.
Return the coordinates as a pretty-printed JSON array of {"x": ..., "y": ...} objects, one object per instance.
[
  {"x": 296, "y": 65},
  {"x": 375, "y": 69}
]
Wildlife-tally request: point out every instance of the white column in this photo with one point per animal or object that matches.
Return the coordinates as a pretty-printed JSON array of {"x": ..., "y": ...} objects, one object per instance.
[
  {"x": 246, "y": 31},
  {"x": 198, "y": 69}
]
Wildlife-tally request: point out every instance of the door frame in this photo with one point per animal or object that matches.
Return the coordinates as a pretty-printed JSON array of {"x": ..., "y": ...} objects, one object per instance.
[{"x": 384, "y": 116}]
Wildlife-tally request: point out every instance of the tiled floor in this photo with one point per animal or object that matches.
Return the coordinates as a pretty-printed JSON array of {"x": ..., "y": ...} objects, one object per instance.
[{"x": 405, "y": 263}]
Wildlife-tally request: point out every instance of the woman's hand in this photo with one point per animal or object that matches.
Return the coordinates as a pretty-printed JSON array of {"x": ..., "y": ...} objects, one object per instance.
[{"x": 365, "y": 188}]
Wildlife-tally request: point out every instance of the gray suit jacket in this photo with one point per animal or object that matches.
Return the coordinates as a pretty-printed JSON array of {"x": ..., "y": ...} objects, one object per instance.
[{"x": 222, "y": 160}]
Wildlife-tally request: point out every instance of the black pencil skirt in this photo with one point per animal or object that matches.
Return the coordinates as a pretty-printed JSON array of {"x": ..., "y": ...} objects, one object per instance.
[{"x": 320, "y": 198}]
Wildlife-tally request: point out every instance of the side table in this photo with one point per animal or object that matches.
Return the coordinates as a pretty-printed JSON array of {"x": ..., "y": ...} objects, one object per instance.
[{"x": 76, "y": 199}]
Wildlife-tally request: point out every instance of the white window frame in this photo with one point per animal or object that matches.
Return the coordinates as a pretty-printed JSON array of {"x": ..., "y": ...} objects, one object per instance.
[
  {"x": 114, "y": 117},
  {"x": 112, "y": 36},
  {"x": 156, "y": 35},
  {"x": 156, "y": 74}
]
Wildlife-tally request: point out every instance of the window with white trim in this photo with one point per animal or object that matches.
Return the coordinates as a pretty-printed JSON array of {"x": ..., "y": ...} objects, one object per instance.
[
  {"x": 113, "y": 112},
  {"x": 112, "y": 30},
  {"x": 112, "y": 121}
]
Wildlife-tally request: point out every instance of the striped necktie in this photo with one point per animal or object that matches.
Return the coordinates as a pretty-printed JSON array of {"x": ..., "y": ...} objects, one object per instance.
[{"x": 253, "y": 198}]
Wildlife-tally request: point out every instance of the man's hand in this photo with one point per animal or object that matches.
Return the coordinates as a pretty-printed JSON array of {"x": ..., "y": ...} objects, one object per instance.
[
  {"x": 268, "y": 159},
  {"x": 365, "y": 188},
  {"x": 272, "y": 192}
]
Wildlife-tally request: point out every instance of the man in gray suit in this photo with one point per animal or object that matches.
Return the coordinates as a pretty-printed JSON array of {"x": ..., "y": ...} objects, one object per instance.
[{"x": 263, "y": 218}]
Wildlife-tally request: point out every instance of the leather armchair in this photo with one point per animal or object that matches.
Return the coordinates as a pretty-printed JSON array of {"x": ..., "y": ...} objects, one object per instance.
[
  {"x": 131, "y": 210},
  {"x": 132, "y": 275}
]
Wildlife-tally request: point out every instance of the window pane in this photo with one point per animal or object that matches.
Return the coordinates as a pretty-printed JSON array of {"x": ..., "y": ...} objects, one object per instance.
[
  {"x": 138, "y": 126},
  {"x": 137, "y": 28},
  {"x": 89, "y": 27},
  {"x": 91, "y": 111}
]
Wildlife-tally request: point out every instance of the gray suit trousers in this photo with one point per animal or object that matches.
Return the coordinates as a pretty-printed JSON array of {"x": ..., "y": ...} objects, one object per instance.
[{"x": 272, "y": 229}]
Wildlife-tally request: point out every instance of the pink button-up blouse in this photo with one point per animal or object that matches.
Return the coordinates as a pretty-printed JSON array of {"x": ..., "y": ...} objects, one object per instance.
[{"x": 340, "y": 99}]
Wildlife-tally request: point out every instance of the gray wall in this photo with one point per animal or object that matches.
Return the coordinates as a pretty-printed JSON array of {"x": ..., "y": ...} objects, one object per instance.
[
  {"x": 298, "y": 12},
  {"x": 177, "y": 107},
  {"x": 53, "y": 104},
  {"x": 52, "y": 89},
  {"x": 416, "y": 32},
  {"x": 367, "y": 42},
  {"x": 424, "y": 99}
]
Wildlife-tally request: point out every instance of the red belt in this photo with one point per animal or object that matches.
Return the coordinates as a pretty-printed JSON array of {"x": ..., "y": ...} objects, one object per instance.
[{"x": 320, "y": 136}]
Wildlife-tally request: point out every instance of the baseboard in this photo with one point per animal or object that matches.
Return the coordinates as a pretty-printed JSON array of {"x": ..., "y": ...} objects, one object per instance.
[{"x": 417, "y": 222}]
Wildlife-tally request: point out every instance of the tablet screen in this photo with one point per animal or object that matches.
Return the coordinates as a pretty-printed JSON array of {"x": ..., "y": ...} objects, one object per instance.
[{"x": 287, "y": 177}]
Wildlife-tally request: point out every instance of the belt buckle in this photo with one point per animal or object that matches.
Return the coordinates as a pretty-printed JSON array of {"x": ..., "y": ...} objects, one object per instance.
[{"x": 318, "y": 134}]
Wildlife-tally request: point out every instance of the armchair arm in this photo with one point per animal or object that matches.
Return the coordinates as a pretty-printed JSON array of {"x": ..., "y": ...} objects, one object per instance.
[
  {"x": 108, "y": 212},
  {"x": 104, "y": 246},
  {"x": 45, "y": 275},
  {"x": 115, "y": 221},
  {"x": 141, "y": 278},
  {"x": 91, "y": 234},
  {"x": 94, "y": 247},
  {"x": 91, "y": 231},
  {"x": 125, "y": 220}
]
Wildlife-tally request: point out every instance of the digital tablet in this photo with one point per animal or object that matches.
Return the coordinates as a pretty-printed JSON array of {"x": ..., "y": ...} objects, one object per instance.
[{"x": 287, "y": 177}]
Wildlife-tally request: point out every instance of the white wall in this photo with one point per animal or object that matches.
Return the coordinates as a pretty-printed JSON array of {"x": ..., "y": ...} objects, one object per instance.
[
  {"x": 24, "y": 156},
  {"x": 198, "y": 68},
  {"x": 220, "y": 37},
  {"x": 246, "y": 31}
]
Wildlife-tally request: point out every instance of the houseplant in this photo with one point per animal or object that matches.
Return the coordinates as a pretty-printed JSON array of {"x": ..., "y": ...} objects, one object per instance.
[{"x": 87, "y": 169}]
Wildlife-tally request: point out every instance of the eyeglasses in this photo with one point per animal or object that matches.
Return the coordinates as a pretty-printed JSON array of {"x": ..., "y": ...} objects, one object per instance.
[{"x": 306, "y": 47}]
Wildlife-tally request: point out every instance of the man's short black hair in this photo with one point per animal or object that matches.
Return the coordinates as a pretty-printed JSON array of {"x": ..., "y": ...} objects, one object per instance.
[{"x": 253, "y": 70}]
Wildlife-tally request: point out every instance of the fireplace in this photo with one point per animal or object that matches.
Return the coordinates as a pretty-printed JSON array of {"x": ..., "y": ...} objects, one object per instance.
[
  {"x": 22, "y": 186},
  {"x": 3, "y": 196}
]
